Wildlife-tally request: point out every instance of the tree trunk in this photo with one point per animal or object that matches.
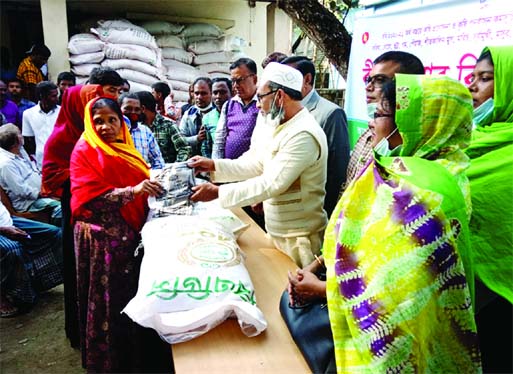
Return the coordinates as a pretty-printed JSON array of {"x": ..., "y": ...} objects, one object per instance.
[{"x": 323, "y": 28}]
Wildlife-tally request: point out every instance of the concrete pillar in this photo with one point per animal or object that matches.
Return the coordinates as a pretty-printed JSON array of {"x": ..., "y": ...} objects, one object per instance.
[
  {"x": 55, "y": 31},
  {"x": 279, "y": 30}
]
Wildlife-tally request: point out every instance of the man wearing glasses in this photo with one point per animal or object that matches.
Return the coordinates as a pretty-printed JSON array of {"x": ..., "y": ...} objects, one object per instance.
[
  {"x": 384, "y": 69},
  {"x": 238, "y": 116},
  {"x": 288, "y": 175}
]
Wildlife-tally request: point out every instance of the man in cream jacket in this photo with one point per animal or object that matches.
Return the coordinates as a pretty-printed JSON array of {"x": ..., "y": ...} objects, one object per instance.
[{"x": 288, "y": 175}]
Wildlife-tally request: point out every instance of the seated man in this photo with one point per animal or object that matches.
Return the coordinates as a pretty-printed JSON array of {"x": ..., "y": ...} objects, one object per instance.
[
  {"x": 20, "y": 178},
  {"x": 30, "y": 259},
  {"x": 143, "y": 138}
]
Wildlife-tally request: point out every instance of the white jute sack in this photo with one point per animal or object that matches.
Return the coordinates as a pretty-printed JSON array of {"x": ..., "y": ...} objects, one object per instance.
[
  {"x": 162, "y": 27},
  {"x": 179, "y": 85},
  {"x": 225, "y": 217},
  {"x": 120, "y": 24},
  {"x": 131, "y": 52},
  {"x": 219, "y": 75},
  {"x": 128, "y": 36},
  {"x": 192, "y": 278},
  {"x": 183, "y": 75},
  {"x": 177, "y": 54},
  {"x": 137, "y": 76},
  {"x": 194, "y": 39},
  {"x": 136, "y": 65},
  {"x": 168, "y": 63},
  {"x": 137, "y": 87},
  {"x": 84, "y": 69},
  {"x": 181, "y": 96},
  {"x": 87, "y": 58},
  {"x": 225, "y": 56},
  {"x": 216, "y": 67},
  {"x": 226, "y": 43},
  {"x": 81, "y": 79},
  {"x": 84, "y": 43},
  {"x": 172, "y": 41},
  {"x": 201, "y": 29}
]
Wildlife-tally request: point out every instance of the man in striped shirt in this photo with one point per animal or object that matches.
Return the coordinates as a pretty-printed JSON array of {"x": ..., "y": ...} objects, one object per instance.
[{"x": 29, "y": 70}]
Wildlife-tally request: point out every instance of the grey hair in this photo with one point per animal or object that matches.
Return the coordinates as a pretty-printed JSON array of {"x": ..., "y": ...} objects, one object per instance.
[{"x": 9, "y": 136}]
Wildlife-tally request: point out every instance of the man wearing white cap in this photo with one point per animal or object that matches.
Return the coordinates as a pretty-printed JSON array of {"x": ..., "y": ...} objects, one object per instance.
[{"x": 288, "y": 175}]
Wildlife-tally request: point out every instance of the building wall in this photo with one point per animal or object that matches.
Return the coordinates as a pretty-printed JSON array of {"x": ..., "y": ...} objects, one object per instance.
[{"x": 250, "y": 23}]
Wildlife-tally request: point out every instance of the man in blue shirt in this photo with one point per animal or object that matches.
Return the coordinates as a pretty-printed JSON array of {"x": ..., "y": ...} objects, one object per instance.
[{"x": 144, "y": 141}]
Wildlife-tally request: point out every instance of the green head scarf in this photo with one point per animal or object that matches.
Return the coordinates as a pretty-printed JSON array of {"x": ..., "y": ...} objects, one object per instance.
[
  {"x": 491, "y": 183},
  {"x": 396, "y": 246}
]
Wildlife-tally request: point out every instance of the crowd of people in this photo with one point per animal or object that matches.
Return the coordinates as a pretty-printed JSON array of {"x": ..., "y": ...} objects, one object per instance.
[{"x": 413, "y": 227}]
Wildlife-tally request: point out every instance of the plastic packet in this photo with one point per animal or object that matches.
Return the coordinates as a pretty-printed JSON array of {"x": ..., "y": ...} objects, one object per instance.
[{"x": 177, "y": 179}]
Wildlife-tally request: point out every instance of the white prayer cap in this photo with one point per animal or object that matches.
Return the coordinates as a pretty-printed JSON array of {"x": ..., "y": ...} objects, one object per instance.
[{"x": 283, "y": 75}]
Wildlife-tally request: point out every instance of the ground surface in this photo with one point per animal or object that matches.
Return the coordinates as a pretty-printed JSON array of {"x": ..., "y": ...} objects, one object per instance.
[{"x": 35, "y": 342}]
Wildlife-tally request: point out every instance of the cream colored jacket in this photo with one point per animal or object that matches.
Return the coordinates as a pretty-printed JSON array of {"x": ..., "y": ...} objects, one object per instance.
[{"x": 288, "y": 174}]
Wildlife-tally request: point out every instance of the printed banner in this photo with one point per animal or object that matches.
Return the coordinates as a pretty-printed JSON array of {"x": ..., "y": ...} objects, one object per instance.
[{"x": 448, "y": 38}]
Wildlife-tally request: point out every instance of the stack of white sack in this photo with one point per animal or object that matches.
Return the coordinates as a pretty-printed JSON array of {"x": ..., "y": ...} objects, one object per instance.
[
  {"x": 215, "y": 56},
  {"x": 132, "y": 52},
  {"x": 86, "y": 53},
  {"x": 176, "y": 60},
  {"x": 192, "y": 278}
]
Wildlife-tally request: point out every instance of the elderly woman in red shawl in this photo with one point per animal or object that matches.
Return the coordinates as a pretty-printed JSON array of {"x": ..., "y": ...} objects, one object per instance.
[
  {"x": 109, "y": 188},
  {"x": 55, "y": 183},
  {"x": 55, "y": 179}
]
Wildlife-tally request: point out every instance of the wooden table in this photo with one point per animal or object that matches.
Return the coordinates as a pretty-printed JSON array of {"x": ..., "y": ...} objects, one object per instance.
[{"x": 226, "y": 349}]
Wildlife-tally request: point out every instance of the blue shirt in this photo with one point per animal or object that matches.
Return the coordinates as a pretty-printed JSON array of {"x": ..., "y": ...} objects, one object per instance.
[{"x": 145, "y": 143}]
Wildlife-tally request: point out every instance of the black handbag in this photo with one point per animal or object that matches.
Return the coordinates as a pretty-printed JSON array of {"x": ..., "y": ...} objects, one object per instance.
[{"x": 310, "y": 328}]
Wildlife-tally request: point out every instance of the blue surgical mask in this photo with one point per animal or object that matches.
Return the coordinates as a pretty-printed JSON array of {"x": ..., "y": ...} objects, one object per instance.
[
  {"x": 483, "y": 113},
  {"x": 383, "y": 147}
]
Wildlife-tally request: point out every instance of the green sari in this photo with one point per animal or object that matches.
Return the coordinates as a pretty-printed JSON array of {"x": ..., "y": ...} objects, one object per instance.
[
  {"x": 491, "y": 183},
  {"x": 397, "y": 245}
]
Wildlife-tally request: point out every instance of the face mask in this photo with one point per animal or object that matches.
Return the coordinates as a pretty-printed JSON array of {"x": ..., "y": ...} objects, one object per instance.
[
  {"x": 275, "y": 115},
  {"x": 483, "y": 113},
  {"x": 383, "y": 147},
  {"x": 134, "y": 118},
  {"x": 371, "y": 109}
]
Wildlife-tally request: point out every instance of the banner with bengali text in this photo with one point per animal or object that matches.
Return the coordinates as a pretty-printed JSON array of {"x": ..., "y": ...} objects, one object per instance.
[{"x": 447, "y": 36}]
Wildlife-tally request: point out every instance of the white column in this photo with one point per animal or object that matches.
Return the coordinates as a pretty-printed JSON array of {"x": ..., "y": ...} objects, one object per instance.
[{"x": 55, "y": 31}]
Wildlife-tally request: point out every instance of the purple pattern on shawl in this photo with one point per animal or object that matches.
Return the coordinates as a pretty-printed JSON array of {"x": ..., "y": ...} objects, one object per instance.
[
  {"x": 366, "y": 314},
  {"x": 378, "y": 346},
  {"x": 240, "y": 123}
]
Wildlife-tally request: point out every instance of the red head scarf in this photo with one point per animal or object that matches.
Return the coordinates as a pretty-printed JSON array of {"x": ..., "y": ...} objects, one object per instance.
[
  {"x": 67, "y": 130},
  {"x": 97, "y": 167}
]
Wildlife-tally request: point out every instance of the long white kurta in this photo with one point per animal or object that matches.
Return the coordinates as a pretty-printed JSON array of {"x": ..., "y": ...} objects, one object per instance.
[{"x": 288, "y": 174}]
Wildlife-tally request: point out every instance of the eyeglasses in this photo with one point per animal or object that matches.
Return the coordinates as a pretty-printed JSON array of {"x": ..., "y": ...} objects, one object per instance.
[
  {"x": 260, "y": 96},
  {"x": 379, "y": 115},
  {"x": 241, "y": 79},
  {"x": 377, "y": 80}
]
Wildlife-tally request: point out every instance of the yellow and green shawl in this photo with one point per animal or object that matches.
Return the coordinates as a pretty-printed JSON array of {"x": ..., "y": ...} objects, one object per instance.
[
  {"x": 396, "y": 247},
  {"x": 491, "y": 183}
]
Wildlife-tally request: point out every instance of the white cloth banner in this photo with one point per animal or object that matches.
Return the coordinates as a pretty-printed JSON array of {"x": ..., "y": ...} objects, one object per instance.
[{"x": 447, "y": 36}]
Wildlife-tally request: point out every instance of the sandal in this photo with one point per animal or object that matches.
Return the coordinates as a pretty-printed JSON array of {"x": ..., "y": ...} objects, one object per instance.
[{"x": 7, "y": 309}]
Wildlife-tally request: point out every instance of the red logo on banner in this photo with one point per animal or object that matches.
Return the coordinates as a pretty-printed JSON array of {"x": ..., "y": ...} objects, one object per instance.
[{"x": 365, "y": 37}]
